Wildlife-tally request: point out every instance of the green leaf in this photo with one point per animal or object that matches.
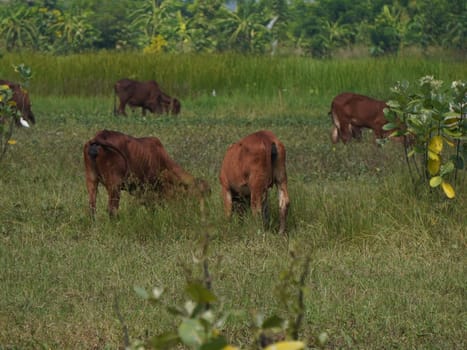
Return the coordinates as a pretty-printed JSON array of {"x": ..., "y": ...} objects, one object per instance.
[
  {"x": 191, "y": 332},
  {"x": 447, "y": 168},
  {"x": 389, "y": 126},
  {"x": 393, "y": 104},
  {"x": 436, "y": 181},
  {"x": 200, "y": 294},
  {"x": 453, "y": 133},
  {"x": 141, "y": 292},
  {"x": 164, "y": 340},
  {"x": 217, "y": 343}
]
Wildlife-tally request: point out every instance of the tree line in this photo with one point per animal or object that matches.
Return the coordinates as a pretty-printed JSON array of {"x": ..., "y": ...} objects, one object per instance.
[{"x": 309, "y": 27}]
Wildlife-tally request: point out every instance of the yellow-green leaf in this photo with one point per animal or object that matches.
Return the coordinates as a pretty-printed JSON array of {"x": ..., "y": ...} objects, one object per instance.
[
  {"x": 451, "y": 122},
  {"x": 230, "y": 347},
  {"x": 448, "y": 190},
  {"x": 436, "y": 181},
  {"x": 287, "y": 345},
  {"x": 433, "y": 155},
  {"x": 433, "y": 166},
  {"x": 12, "y": 142},
  {"x": 450, "y": 143},
  {"x": 436, "y": 144}
]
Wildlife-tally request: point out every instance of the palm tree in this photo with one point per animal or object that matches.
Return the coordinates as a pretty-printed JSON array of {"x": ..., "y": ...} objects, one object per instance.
[
  {"x": 246, "y": 27},
  {"x": 73, "y": 32},
  {"x": 17, "y": 28}
]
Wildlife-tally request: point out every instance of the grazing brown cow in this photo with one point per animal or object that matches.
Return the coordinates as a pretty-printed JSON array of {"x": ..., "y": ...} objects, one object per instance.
[
  {"x": 250, "y": 167},
  {"x": 122, "y": 162},
  {"x": 21, "y": 98},
  {"x": 147, "y": 95},
  {"x": 351, "y": 113}
]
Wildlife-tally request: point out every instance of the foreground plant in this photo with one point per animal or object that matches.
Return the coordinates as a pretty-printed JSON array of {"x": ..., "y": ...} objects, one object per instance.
[
  {"x": 201, "y": 326},
  {"x": 434, "y": 124},
  {"x": 9, "y": 114}
]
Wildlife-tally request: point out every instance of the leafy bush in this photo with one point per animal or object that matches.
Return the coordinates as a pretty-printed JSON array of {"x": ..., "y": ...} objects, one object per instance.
[{"x": 434, "y": 124}]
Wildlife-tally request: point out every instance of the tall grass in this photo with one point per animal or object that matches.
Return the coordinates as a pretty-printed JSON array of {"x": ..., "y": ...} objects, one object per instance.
[
  {"x": 387, "y": 262},
  {"x": 193, "y": 75}
]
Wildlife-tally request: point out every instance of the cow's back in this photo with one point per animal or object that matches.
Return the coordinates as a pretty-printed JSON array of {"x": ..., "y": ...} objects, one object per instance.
[
  {"x": 358, "y": 109},
  {"x": 251, "y": 157}
]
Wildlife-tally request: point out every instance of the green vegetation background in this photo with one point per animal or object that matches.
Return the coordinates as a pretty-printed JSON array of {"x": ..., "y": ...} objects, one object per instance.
[{"x": 388, "y": 262}]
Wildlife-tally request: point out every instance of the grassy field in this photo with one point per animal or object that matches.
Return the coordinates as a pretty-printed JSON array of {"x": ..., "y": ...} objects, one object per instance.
[{"x": 387, "y": 262}]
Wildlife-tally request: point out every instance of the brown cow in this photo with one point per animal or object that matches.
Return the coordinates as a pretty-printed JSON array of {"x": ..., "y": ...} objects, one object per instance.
[
  {"x": 147, "y": 95},
  {"x": 122, "y": 162},
  {"x": 351, "y": 113},
  {"x": 21, "y": 98},
  {"x": 250, "y": 167}
]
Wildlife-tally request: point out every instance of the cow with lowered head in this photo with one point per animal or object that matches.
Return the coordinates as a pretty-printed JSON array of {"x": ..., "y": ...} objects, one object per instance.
[
  {"x": 147, "y": 95},
  {"x": 22, "y": 101},
  {"x": 122, "y": 162},
  {"x": 250, "y": 167},
  {"x": 352, "y": 112}
]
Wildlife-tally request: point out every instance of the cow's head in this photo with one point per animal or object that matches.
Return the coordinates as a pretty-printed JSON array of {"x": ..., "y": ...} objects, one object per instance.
[
  {"x": 23, "y": 104},
  {"x": 170, "y": 104},
  {"x": 26, "y": 111},
  {"x": 175, "y": 106}
]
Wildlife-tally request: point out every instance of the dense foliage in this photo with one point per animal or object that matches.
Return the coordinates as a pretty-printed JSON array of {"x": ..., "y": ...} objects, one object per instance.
[
  {"x": 314, "y": 28},
  {"x": 433, "y": 116}
]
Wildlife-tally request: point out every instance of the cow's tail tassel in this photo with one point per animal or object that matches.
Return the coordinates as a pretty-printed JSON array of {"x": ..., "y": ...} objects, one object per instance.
[{"x": 273, "y": 152}]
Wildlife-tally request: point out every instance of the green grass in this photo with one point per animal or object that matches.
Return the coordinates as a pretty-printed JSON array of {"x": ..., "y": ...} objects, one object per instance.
[{"x": 388, "y": 263}]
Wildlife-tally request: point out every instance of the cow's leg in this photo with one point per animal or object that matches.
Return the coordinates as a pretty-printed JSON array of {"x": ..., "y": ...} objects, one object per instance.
[
  {"x": 334, "y": 135},
  {"x": 284, "y": 203},
  {"x": 121, "y": 107},
  {"x": 91, "y": 185},
  {"x": 379, "y": 133},
  {"x": 356, "y": 132},
  {"x": 258, "y": 202},
  {"x": 114, "y": 201},
  {"x": 345, "y": 131},
  {"x": 227, "y": 198},
  {"x": 92, "y": 180},
  {"x": 265, "y": 209}
]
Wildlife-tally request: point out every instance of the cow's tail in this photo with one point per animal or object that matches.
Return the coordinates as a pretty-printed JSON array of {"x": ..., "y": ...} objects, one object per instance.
[
  {"x": 274, "y": 153},
  {"x": 93, "y": 151}
]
